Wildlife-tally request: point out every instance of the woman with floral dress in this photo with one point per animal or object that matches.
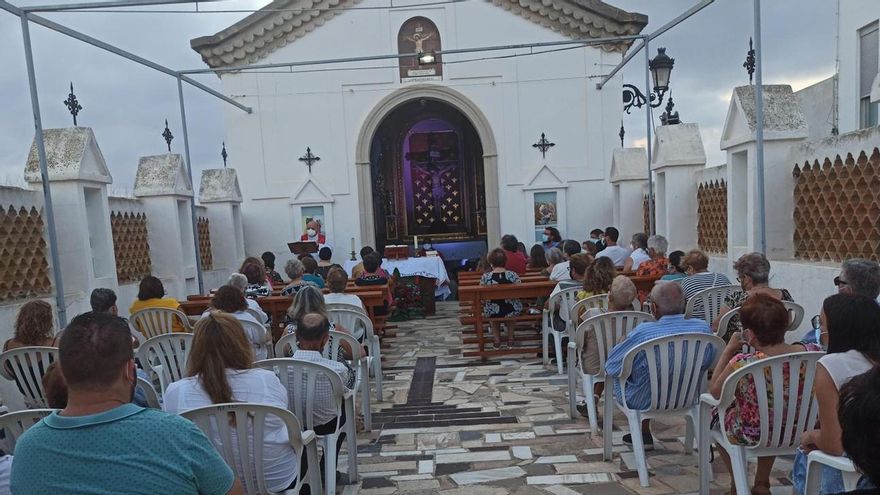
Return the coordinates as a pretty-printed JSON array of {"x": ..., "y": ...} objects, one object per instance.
[
  {"x": 500, "y": 308},
  {"x": 765, "y": 320}
]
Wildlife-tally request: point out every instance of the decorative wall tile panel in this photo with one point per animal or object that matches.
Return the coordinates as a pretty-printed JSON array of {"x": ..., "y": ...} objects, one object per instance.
[
  {"x": 24, "y": 270},
  {"x": 130, "y": 245},
  {"x": 205, "y": 244},
  {"x": 712, "y": 216},
  {"x": 837, "y": 208}
]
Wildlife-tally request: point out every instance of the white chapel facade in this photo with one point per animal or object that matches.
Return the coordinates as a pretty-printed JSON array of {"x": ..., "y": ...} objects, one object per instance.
[{"x": 448, "y": 151}]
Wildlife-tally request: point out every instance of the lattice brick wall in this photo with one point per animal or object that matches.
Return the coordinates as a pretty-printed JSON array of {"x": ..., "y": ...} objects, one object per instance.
[
  {"x": 24, "y": 271},
  {"x": 712, "y": 216},
  {"x": 205, "y": 244},
  {"x": 837, "y": 208},
  {"x": 130, "y": 245}
]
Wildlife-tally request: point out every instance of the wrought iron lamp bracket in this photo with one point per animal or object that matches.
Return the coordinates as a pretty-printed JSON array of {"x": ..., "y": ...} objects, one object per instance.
[{"x": 633, "y": 97}]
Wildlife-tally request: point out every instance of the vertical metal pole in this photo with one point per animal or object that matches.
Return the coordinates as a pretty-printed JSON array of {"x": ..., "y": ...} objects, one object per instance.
[
  {"x": 192, "y": 204},
  {"x": 652, "y": 224},
  {"x": 759, "y": 134},
  {"x": 44, "y": 174}
]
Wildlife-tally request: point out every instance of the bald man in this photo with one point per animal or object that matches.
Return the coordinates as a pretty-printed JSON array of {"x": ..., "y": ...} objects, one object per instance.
[{"x": 668, "y": 309}]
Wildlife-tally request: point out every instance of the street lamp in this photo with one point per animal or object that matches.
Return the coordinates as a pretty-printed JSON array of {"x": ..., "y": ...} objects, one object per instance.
[{"x": 661, "y": 69}]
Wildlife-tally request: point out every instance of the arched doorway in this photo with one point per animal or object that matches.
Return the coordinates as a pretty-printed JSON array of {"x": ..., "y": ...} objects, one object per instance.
[
  {"x": 426, "y": 161},
  {"x": 454, "y": 109}
]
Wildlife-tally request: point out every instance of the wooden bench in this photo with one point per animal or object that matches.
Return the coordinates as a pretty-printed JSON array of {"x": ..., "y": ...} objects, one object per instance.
[
  {"x": 277, "y": 306},
  {"x": 475, "y": 295}
]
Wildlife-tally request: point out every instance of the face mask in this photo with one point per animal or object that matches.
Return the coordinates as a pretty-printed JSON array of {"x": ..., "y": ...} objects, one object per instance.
[
  {"x": 545, "y": 237},
  {"x": 311, "y": 232}
]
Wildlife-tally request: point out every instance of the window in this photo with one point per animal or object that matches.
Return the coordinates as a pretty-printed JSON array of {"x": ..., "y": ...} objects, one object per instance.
[
  {"x": 419, "y": 35},
  {"x": 869, "y": 46}
]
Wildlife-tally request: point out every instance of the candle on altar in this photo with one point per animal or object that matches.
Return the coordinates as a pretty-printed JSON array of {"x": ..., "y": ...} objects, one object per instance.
[
  {"x": 352, "y": 244},
  {"x": 416, "y": 244}
]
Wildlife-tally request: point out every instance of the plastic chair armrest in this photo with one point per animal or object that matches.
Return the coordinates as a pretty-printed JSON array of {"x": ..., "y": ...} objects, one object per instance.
[
  {"x": 837, "y": 462},
  {"x": 308, "y": 436},
  {"x": 708, "y": 399}
]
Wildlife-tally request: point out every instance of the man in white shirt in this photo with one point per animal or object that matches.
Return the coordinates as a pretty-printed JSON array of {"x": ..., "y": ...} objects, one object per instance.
[
  {"x": 617, "y": 254},
  {"x": 639, "y": 254},
  {"x": 560, "y": 271},
  {"x": 312, "y": 334}
]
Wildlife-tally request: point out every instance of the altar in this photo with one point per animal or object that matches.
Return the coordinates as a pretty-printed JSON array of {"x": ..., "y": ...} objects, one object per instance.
[{"x": 426, "y": 266}]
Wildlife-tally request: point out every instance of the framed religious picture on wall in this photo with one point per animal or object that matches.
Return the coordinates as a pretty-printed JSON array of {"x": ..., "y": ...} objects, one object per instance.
[{"x": 546, "y": 214}]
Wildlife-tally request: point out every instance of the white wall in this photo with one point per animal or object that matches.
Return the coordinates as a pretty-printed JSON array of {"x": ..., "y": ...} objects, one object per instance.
[
  {"x": 854, "y": 15},
  {"x": 521, "y": 98}
]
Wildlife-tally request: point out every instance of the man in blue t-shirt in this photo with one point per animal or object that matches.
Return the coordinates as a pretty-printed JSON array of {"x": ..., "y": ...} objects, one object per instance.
[{"x": 101, "y": 443}]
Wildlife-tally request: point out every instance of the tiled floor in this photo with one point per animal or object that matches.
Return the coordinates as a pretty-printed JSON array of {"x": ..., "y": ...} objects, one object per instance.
[{"x": 455, "y": 427}]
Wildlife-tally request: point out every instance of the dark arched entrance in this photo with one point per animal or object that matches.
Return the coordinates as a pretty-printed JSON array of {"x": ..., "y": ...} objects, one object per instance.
[{"x": 426, "y": 162}]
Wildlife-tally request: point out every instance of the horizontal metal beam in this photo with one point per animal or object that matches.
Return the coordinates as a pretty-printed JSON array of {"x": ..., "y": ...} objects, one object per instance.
[
  {"x": 104, "y": 5},
  {"x": 118, "y": 51},
  {"x": 589, "y": 42},
  {"x": 666, "y": 27}
]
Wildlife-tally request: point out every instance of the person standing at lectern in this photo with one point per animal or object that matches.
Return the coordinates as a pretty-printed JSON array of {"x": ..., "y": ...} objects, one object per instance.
[{"x": 313, "y": 234}]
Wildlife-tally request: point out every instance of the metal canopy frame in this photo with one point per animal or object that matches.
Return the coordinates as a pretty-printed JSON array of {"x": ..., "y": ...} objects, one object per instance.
[{"x": 27, "y": 15}]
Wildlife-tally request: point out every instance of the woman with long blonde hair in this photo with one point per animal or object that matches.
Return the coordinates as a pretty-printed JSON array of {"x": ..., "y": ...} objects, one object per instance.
[
  {"x": 220, "y": 370},
  {"x": 33, "y": 327}
]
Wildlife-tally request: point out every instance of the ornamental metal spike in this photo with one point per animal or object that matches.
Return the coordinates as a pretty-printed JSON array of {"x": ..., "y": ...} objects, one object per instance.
[
  {"x": 72, "y": 104},
  {"x": 621, "y": 133},
  {"x": 224, "y": 154},
  {"x": 749, "y": 64},
  {"x": 167, "y": 135}
]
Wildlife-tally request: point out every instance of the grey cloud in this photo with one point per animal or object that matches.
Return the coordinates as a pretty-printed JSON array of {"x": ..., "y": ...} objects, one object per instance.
[{"x": 126, "y": 103}]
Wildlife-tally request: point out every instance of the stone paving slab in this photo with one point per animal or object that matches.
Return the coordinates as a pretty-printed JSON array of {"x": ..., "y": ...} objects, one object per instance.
[{"x": 446, "y": 439}]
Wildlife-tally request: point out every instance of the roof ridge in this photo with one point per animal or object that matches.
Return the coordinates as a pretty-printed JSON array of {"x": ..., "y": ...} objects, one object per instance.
[{"x": 259, "y": 34}]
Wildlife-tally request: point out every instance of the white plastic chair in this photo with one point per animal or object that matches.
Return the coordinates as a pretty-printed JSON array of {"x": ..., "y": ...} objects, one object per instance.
[
  {"x": 676, "y": 384},
  {"x": 150, "y": 393},
  {"x": 358, "y": 362},
  {"x": 795, "y": 313},
  {"x": 354, "y": 307},
  {"x": 300, "y": 378},
  {"x": 581, "y": 307},
  {"x": 561, "y": 301},
  {"x": 350, "y": 318},
  {"x": 240, "y": 442},
  {"x": 286, "y": 345},
  {"x": 158, "y": 321},
  {"x": 780, "y": 432},
  {"x": 14, "y": 424},
  {"x": 356, "y": 321},
  {"x": 711, "y": 300},
  {"x": 816, "y": 459},
  {"x": 609, "y": 328},
  {"x": 259, "y": 338},
  {"x": 165, "y": 357},
  {"x": 26, "y": 366}
]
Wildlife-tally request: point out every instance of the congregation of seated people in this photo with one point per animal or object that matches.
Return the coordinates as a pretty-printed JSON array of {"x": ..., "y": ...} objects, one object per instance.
[{"x": 102, "y": 414}]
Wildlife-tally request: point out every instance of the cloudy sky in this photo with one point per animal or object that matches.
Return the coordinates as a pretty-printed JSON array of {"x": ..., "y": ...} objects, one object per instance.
[{"x": 126, "y": 103}]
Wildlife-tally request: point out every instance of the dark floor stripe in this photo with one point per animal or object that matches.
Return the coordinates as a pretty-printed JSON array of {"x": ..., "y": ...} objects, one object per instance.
[{"x": 422, "y": 385}]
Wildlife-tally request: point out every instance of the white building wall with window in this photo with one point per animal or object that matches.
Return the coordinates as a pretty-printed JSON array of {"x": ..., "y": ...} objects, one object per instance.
[{"x": 859, "y": 52}]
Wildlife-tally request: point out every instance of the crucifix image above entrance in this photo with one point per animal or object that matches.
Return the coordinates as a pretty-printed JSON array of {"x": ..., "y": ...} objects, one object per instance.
[
  {"x": 543, "y": 145},
  {"x": 309, "y": 158}
]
